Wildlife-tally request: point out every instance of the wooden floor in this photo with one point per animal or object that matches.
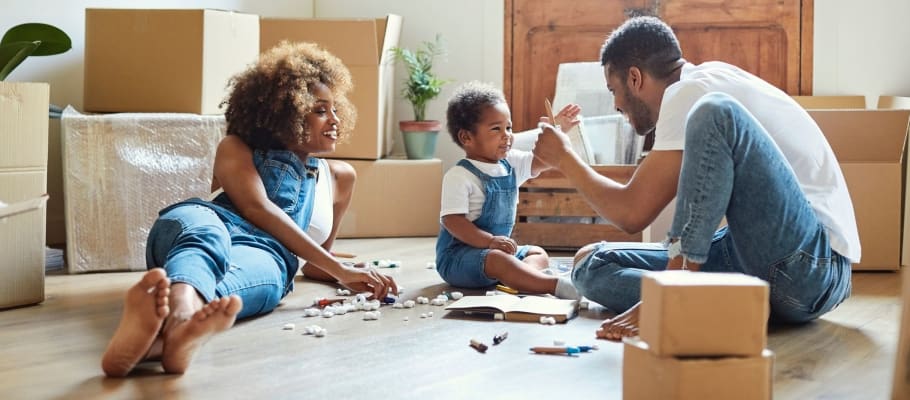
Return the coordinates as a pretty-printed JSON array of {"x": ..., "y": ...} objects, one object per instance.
[{"x": 52, "y": 350}]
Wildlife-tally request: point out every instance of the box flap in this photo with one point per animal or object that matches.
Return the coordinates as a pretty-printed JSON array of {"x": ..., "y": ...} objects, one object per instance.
[
  {"x": 864, "y": 135},
  {"x": 357, "y": 42},
  {"x": 831, "y": 102}
]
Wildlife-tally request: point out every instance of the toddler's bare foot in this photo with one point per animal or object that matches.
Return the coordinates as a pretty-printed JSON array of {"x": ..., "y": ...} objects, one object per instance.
[
  {"x": 144, "y": 309},
  {"x": 183, "y": 340},
  {"x": 620, "y": 326}
]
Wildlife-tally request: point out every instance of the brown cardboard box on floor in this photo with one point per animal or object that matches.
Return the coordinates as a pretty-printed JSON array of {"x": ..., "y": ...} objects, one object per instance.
[
  {"x": 687, "y": 313},
  {"x": 164, "y": 60},
  {"x": 22, "y": 246},
  {"x": 870, "y": 147},
  {"x": 23, "y": 126},
  {"x": 647, "y": 376},
  {"x": 831, "y": 102},
  {"x": 394, "y": 198},
  {"x": 363, "y": 45}
]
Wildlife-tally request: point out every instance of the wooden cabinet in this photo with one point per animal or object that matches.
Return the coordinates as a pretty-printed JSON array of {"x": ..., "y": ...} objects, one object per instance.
[{"x": 770, "y": 38}]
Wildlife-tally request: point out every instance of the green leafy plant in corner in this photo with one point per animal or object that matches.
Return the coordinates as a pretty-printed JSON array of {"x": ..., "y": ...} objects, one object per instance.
[
  {"x": 422, "y": 85},
  {"x": 31, "y": 39}
]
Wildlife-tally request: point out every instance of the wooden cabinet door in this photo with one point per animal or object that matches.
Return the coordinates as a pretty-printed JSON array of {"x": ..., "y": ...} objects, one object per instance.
[{"x": 770, "y": 38}]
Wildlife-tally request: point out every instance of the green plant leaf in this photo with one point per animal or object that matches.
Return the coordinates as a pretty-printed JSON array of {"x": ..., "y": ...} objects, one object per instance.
[
  {"x": 421, "y": 85},
  {"x": 12, "y": 54},
  {"x": 52, "y": 40}
]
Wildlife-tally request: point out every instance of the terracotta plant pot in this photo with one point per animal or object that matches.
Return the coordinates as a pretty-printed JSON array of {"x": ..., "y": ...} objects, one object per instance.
[{"x": 420, "y": 138}]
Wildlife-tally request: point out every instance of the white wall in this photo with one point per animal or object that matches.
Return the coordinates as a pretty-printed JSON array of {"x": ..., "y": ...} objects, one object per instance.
[{"x": 862, "y": 47}]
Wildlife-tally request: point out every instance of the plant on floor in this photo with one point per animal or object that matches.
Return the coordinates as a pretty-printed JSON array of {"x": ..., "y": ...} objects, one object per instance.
[{"x": 421, "y": 86}]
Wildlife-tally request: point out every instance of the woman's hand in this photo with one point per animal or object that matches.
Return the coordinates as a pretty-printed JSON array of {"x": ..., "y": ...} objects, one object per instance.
[
  {"x": 367, "y": 280},
  {"x": 503, "y": 243}
]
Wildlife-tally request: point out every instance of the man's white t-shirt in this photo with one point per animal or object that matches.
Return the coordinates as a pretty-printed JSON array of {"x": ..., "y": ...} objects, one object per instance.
[
  {"x": 792, "y": 129},
  {"x": 462, "y": 191}
]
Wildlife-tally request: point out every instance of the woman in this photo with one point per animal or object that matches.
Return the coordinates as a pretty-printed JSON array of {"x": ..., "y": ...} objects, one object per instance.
[{"x": 235, "y": 256}]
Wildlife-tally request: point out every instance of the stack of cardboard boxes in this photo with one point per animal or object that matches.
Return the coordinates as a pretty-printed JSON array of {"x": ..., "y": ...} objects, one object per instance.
[
  {"x": 23, "y": 184},
  {"x": 701, "y": 336},
  {"x": 168, "y": 71}
]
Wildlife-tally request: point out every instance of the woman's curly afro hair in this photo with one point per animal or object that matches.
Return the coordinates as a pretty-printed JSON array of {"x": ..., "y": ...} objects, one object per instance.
[{"x": 268, "y": 103}]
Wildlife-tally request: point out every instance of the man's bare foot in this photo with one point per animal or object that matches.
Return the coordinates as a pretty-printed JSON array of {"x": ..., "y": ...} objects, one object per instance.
[
  {"x": 620, "y": 326},
  {"x": 144, "y": 309},
  {"x": 182, "y": 341}
]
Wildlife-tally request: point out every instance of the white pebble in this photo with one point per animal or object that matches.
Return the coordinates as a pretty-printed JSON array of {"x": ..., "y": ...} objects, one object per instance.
[
  {"x": 312, "y": 312},
  {"x": 288, "y": 327},
  {"x": 422, "y": 300},
  {"x": 405, "y": 319},
  {"x": 409, "y": 304},
  {"x": 438, "y": 302},
  {"x": 559, "y": 342},
  {"x": 319, "y": 333},
  {"x": 360, "y": 298},
  {"x": 328, "y": 314},
  {"x": 456, "y": 295},
  {"x": 547, "y": 320},
  {"x": 431, "y": 265},
  {"x": 442, "y": 296},
  {"x": 398, "y": 305},
  {"x": 312, "y": 329},
  {"x": 371, "y": 315},
  {"x": 343, "y": 292},
  {"x": 430, "y": 314},
  {"x": 423, "y": 315}
]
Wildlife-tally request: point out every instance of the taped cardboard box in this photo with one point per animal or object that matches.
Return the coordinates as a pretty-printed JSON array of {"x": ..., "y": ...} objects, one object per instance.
[
  {"x": 23, "y": 125},
  {"x": 687, "y": 313},
  {"x": 363, "y": 45},
  {"x": 164, "y": 60},
  {"x": 647, "y": 376},
  {"x": 22, "y": 246},
  {"x": 394, "y": 198},
  {"x": 870, "y": 146},
  {"x": 119, "y": 170}
]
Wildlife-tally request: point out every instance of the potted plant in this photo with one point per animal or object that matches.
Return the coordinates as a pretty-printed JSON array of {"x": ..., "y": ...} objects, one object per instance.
[
  {"x": 421, "y": 86},
  {"x": 31, "y": 39}
]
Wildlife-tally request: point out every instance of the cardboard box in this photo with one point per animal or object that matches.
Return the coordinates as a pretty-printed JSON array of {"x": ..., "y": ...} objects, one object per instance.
[
  {"x": 900, "y": 389},
  {"x": 831, "y": 102},
  {"x": 23, "y": 125},
  {"x": 363, "y": 45},
  {"x": 22, "y": 246},
  {"x": 647, "y": 376},
  {"x": 686, "y": 313},
  {"x": 893, "y": 103},
  {"x": 119, "y": 170},
  {"x": 394, "y": 198},
  {"x": 870, "y": 147},
  {"x": 164, "y": 60}
]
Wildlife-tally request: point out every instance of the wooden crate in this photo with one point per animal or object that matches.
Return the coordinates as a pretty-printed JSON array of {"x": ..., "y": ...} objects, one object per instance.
[{"x": 551, "y": 195}]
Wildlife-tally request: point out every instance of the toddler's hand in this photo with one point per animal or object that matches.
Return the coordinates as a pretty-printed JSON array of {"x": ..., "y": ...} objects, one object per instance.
[
  {"x": 567, "y": 118},
  {"x": 503, "y": 243}
]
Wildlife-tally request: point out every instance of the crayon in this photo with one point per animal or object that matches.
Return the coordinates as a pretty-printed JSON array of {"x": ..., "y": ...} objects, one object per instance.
[
  {"x": 568, "y": 350},
  {"x": 504, "y": 288},
  {"x": 480, "y": 347}
]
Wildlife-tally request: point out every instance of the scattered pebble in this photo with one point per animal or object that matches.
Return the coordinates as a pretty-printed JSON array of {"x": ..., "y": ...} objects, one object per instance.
[
  {"x": 327, "y": 314},
  {"x": 456, "y": 295},
  {"x": 423, "y": 315},
  {"x": 405, "y": 318},
  {"x": 422, "y": 300},
  {"x": 343, "y": 292},
  {"x": 547, "y": 320},
  {"x": 371, "y": 315},
  {"x": 430, "y": 314},
  {"x": 431, "y": 265},
  {"x": 409, "y": 304},
  {"x": 288, "y": 327},
  {"x": 312, "y": 312}
]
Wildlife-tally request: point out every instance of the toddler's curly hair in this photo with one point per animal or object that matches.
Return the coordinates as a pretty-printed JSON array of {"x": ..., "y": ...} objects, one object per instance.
[
  {"x": 466, "y": 105},
  {"x": 268, "y": 103}
]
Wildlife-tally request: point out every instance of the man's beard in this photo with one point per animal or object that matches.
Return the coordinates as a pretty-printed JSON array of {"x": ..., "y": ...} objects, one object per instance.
[{"x": 639, "y": 115}]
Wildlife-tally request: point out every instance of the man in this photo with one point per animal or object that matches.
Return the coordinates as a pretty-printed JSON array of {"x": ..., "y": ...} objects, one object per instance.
[{"x": 727, "y": 144}]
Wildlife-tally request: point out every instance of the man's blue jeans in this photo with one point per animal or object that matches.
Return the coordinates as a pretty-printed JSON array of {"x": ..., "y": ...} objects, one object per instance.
[{"x": 731, "y": 167}]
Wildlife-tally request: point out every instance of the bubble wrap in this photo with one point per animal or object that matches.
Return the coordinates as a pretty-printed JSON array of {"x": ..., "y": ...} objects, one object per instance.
[{"x": 119, "y": 170}]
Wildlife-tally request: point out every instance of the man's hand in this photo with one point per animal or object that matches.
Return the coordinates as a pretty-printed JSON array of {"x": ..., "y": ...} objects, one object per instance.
[{"x": 552, "y": 145}]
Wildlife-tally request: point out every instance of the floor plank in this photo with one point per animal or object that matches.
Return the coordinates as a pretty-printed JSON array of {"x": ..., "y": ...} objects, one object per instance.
[{"x": 53, "y": 350}]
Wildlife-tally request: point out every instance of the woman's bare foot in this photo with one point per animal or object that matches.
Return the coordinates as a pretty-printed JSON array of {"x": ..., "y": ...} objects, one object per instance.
[
  {"x": 144, "y": 309},
  {"x": 185, "y": 337},
  {"x": 620, "y": 326}
]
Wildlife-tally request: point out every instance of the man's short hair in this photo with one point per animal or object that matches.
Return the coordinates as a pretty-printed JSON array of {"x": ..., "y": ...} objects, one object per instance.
[{"x": 644, "y": 42}]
